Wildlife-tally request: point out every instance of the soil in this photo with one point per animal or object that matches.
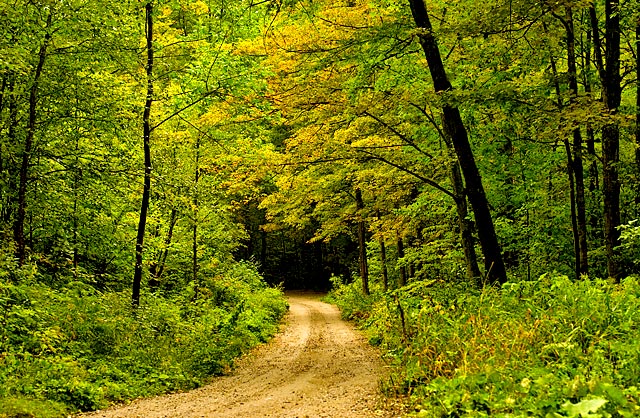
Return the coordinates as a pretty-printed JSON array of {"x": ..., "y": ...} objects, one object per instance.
[{"x": 318, "y": 366}]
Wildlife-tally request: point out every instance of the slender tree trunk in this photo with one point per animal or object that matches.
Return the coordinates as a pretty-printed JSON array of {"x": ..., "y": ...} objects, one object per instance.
[
  {"x": 594, "y": 175},
  {"x": 8, "y": 200},
  {"x": 403, "y": 270},
  {"x": 3, "y": 88},
  {"x": 146, "y": 122},
  {"x": 572, "y": 167},
  {"x": 454, "y": 127},
  {"x": 609, "y": 72},
  {"x": 76, "y": 184},
  {"x": 611, "y": 139},
  {"x": 464, "y": 223},
  {"x": 263, "y": 249},
  {"x": 28, "y": 145},
  {"x": 158, "y": 269},
  {"x": 578, "y": 169},
  {"x": 195, "y": 220},
  {"x": 362, "y": 244},
  {"x": 638, "y": 117},
  {"x": 383, "y": 261},
  {"x": 574, "y": 218},
  {"x": 5, "y": 82}
]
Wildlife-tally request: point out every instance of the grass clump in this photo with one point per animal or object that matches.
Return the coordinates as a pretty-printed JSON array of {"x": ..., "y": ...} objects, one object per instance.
[{"x": 551, "y": 347}]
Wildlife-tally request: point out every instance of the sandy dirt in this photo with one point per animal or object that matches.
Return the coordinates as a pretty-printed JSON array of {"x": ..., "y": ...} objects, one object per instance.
[{"x": 318, "y": 366}]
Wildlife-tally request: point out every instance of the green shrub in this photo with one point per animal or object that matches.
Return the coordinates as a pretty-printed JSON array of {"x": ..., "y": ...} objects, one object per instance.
[
  {"x": 550, "y": 347},
  {"x": 75, "y": 348},
  {"x": 30, "y": 408}
]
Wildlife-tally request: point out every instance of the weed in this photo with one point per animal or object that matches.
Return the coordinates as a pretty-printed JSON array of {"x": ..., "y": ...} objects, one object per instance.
[
  {"x": 550, "y": 347},
  {"x": 75, "y": 348}
]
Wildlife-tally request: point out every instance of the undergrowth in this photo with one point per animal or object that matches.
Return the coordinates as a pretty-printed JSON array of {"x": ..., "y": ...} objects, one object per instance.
[
  {"x": 78, "y": 349},
  {"x": 545, "y": 348}
]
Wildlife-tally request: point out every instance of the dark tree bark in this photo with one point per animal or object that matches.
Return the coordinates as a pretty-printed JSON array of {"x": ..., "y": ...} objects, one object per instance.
[
  {"x": 76, "y": 184},
  {"x": 403, "y": 270},
  {"x": 146, "y": 121},
  {"x": 383, "y": 261},
  {"x": 8, "y": 200},
  {"x": 638, "y": 117},
  {"x": 157, "y": 268},
  {"x": 195, "y": 220},
  {"x": 570, "y": 169},
  {"x": 574, "y": 217},
  {"x": 582, "y": 267},
  {"x": 612, "y": 92},
  {"x": 362, "y": 244},
  {"x": 3, "y": 90},
  {"x": 455, "y": 129},
  {"x": 460, "y": 199},
  {"x": 263, "y": 248},
  {"x": 464, "y": 223},
  {"x": 595, "y": 220},
  {"x": 18, "y": 231}
]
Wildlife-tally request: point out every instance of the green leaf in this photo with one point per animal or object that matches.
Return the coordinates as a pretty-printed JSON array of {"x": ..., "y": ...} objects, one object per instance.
[{"x": 584, "y": 408}]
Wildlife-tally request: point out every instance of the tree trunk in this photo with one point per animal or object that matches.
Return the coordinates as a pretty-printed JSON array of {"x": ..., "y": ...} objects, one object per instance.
[
  {"x": 595, "y": 221},
  {"x": 573, "y": 170},
  {"x": 263, "y": 249},
  {"x": 638, "y": 117},
  {"x": 5, "y": 84},
  {"x": 195, "y": 220},
  {"x": 464, "y": 223},
  {"x": 383, "y": 261},
  {"x": 574, "y": 218},
  {"x": 454, "y": 127},
  {"x": 362, "y": 244},
  {"x": 2, "y": 95},
  {"x": 146, "y": 121},
  {"x": 8, "y": 201},
  {"x": 578, "y": 169},
  {"x": 18, "y": 231},
  {"x": 3, "y": 89},
  {"x": 76, "y": 185},
  {"x": 157, "y": 268},
  {"x": 403, "y": 270},
  {"x": 611, "y": 139}
]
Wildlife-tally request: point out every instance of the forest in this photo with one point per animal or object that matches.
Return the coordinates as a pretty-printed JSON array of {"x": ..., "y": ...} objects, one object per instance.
[{"x": 464, "y": 176}]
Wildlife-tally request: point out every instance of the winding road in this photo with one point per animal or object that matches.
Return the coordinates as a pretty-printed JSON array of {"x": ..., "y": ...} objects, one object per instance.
[{"x": 318, "y": 366}]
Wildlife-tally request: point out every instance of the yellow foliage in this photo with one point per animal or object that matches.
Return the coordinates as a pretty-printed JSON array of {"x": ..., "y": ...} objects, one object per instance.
[
  {"x": 215, "y": 115},
  {"x": 199, "y": 7}
]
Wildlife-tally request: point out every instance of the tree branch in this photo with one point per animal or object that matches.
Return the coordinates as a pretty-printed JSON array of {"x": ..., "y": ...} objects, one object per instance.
[{"x": 409, "y": 171}]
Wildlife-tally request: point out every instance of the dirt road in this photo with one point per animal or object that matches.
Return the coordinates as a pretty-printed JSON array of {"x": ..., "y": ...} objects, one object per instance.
[{"x": 318, "y": 366}]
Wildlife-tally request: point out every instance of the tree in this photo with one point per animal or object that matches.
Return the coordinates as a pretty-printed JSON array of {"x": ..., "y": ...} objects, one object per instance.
[
  {"x": 455, "y": 129},
  {"x": 146, "y": 139},
  {"x": 582, "y": 267},
  {"x": 362, "y": 243},
  {"x": 637, "y": 159},
  {"x": 28, "y": 143},
  {"x": 609, "y": 71}
]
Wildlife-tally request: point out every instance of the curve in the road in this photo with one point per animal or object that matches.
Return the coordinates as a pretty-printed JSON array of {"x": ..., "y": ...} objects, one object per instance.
[{"x": 319, "y": 366}]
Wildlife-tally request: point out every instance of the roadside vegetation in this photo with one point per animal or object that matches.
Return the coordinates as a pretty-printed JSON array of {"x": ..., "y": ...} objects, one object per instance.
[
  {"x": 74, "y": 348},
  {"x": 550, "y": 347}
]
